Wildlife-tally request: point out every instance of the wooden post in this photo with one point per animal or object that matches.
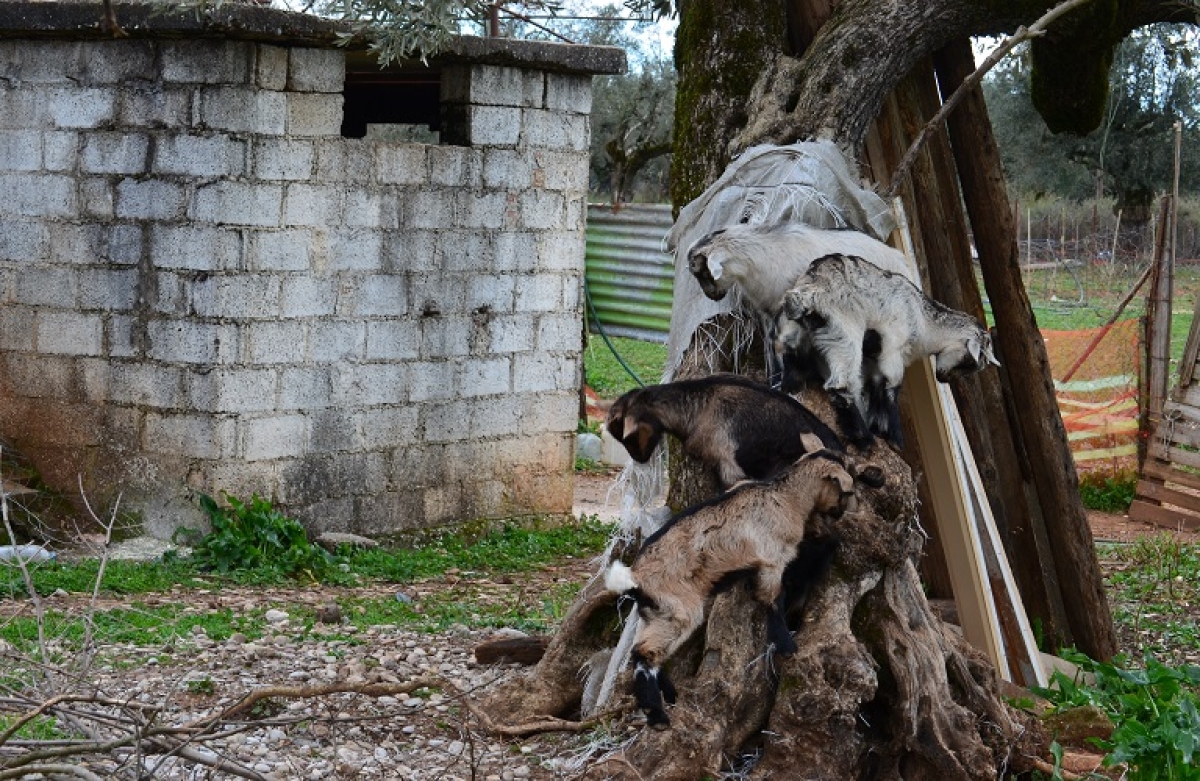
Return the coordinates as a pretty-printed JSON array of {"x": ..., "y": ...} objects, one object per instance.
[
  {"x": 1158, "y": 315},
  {"x": 1039, "y": 424},
  {"x": 940, "y": 232}
]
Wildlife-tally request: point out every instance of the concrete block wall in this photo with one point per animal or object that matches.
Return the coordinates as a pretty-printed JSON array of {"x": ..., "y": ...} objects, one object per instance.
[{"x": 204, "y": 287}]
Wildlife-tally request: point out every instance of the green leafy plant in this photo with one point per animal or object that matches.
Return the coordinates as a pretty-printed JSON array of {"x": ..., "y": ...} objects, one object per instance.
[
  {"x": 1154, "y": 711},
  {"x": 203, "y": 685},
  {"x": 254, "y": 535},
  {"x": 1109, "y": 491}
]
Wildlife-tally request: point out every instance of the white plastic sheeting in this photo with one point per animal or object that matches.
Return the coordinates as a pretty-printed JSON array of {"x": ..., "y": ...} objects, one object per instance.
[{"x": 810, "y": 183}]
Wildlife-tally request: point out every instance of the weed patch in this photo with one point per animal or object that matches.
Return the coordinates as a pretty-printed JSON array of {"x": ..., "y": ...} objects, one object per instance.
[
  {"x": 1154, "y": 709},
  {"x": 1109, "y": 491},
  {"x": 254, "y": 535}
]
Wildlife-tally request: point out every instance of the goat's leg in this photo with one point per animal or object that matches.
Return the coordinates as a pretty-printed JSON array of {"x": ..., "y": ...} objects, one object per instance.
[
  {"x": 813, "y": 559},
  {"x": 769, "y": 591},
  {"x": 885, "y": 401},
  {"x": 895, "y": 434},
  {"x": 840, "y": 345},
  {"x": 647, "y": 692},
  {"x": 850, "y": 419},
  {"x": 659, "y": 638},
  {"x": 771, "y": 356},
  {"x": 667, "y": 688}
]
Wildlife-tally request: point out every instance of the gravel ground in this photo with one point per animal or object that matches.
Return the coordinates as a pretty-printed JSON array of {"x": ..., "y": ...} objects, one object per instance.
[{"x": 421, "y": 734}]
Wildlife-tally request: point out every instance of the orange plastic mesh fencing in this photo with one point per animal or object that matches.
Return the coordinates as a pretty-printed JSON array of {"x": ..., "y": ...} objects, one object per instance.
[{"x": 1099, "y": 401}]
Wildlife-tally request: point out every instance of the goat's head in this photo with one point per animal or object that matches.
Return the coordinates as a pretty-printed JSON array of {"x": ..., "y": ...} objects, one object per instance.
[
  {"x": 706, "y": 261},
  {"x": 836, "y": 477},
  {"x": 794, "y": 326},
  {"x": 635, "y": 427},
  {"x": 965, "y": 356}
]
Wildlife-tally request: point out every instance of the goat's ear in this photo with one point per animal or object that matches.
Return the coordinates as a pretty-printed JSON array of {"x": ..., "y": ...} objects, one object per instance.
[
  {"x": 792, "y": 306},
  {"x": 988, "y": 354},
  {"x": 614, "y": 421},
  {"x": 647, "y": 440},
  {"x": 715, "y": 266},
  {"x": 844, "y": 481},
  {"x": 811, "y": 442},
  {"x": 629, "y": 427}
]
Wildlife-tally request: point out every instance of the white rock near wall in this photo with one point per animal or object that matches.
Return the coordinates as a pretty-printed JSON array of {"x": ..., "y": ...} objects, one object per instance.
[{"x": 204, "y": 287}]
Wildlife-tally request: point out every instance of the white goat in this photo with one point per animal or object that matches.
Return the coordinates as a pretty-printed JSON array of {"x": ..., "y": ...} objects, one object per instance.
[
  {"x": 754, "y": 529},
  {"x": 840, "y": 300},
  {"x": 762, "y": 264}
]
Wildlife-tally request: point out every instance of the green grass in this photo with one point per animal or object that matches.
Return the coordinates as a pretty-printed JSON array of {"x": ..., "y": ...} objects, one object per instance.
[
  {"x": 120, "y": 577},
  {"x": 38, "y": 728},
  {"x": 512, "y": 548},
  {"x": 608, "y": 378},
  {"x": 466, "y": 604}
]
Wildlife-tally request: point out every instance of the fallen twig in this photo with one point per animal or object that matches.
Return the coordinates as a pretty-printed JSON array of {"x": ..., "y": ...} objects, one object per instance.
[
  {"x": 51, "y": 771},
  {"x": 295, "y": 692},
  {"x": 545, "y": 724},
  {"x": 1043, "y": 766}
]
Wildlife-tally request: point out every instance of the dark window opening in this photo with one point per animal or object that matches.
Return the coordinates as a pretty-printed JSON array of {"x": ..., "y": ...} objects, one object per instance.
[{"x": 394, "y": 105}]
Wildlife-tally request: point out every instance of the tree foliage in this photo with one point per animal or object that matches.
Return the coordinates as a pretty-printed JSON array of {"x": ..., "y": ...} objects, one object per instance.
[
  {"x": 1153, "y": 84},
  {"x": 632, "y": 114}
]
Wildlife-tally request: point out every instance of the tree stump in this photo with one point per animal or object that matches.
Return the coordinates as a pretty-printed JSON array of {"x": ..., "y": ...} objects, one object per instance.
[{"x": 879, "y": 688}]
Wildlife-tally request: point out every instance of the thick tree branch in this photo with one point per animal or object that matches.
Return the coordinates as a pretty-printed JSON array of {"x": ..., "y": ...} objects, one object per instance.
[
  {"x": 969, "y": 83},
  {"x": 866, "y": 47}
]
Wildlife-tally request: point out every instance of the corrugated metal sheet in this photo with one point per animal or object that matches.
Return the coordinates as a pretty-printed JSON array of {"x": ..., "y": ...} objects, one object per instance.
[{"x": 629, "y": 276}]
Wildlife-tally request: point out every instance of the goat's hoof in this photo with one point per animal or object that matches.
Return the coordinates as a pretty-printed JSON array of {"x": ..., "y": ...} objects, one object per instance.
[{"x": 658, "y": 720}]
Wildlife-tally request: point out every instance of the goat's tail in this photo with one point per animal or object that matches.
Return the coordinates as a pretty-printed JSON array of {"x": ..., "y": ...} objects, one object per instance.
[{"x": 619, "y": 579}]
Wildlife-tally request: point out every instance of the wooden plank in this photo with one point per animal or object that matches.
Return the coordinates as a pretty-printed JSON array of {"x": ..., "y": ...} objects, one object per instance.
[
  {"x": 1179, "y": 456},
  {"x": 1010, "y": 608},
  {"x": 1179, "y": 426},
  {"x": 1190, "y": 396},
  {"x": 1072, "y": 552},
  {"x": 964, "y": 556},
  {"x": 1191, "y": 350},
  {"x": 1179, "y": 435},
  {"x": 1159, "y": 470},
  {"x": 1159, "y": 312},
  {"x": 1160, "y": 493},
  {"x": 1162, "y": 516}
]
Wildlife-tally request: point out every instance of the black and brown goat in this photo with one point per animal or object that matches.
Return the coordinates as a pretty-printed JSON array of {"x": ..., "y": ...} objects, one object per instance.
[
  {"x": 754, "y": 530},
  {"x": 737, "y": 427}
]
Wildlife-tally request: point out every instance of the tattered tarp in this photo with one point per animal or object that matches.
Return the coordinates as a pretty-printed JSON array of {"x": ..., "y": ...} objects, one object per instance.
[{"x": 809, "y": 182}]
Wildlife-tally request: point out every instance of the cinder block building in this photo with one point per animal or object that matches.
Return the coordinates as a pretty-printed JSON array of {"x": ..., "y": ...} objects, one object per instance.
[{"x": 216, "y": 275}]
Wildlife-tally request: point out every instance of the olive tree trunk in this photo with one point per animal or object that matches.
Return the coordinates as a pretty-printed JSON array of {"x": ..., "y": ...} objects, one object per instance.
[{"x": 879, "y": 687}]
